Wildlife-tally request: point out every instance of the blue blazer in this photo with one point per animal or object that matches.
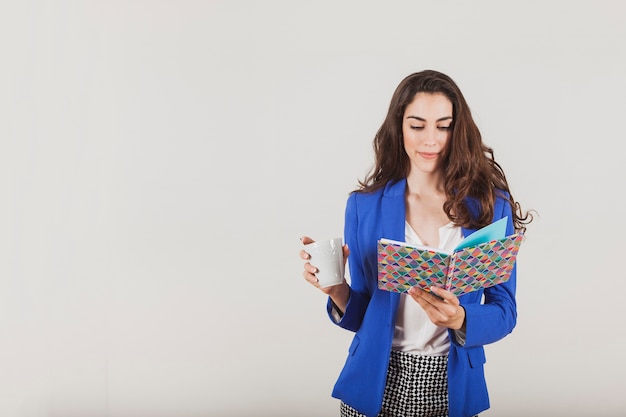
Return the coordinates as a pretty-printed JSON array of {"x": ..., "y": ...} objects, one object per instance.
[{"x": 371, "y": 312}]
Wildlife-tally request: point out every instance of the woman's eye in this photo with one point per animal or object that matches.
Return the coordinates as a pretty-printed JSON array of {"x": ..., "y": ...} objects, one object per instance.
[
  {"x": 445, "y": 127},
  {"x": 417, "y": 127}
]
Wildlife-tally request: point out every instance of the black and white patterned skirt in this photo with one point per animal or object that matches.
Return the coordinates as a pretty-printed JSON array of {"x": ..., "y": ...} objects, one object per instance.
[{"x": 417, "y": 386}]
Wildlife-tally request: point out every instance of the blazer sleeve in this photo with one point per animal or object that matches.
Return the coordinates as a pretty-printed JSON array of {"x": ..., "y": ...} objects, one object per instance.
[
  {"x": 497, "y": 316},
  {"x": 359, "y": 293}
]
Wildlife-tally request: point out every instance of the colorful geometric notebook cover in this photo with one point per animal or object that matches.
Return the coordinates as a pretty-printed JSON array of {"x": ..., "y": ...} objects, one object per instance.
[{"x": 402, "y": 266}]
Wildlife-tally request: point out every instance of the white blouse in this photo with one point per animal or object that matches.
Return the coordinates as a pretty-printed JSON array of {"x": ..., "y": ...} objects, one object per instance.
[{"x": 414, "y": 332}]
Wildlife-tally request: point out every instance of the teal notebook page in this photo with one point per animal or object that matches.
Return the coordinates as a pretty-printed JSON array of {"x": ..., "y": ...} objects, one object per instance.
[{"x": 493, "y": 231}]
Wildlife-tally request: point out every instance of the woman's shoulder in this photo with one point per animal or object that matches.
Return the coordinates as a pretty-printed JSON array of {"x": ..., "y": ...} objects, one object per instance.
[
  {"x": 388, "y": 189},
  {"x": 368, "y": 194},
  {"x": 501, "y": 205},
  {"x": 363, "y": 198},
  {"x": 369, "y": 200},
  {"x": 500, "y": 197},
  {"x": 502, "y": 194}
]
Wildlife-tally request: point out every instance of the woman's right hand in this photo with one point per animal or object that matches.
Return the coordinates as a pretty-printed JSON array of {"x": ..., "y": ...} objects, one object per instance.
[{"x": 339, "y": 293}]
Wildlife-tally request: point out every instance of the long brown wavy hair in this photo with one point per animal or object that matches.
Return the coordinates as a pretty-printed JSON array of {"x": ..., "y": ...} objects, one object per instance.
[{"x": 469, "y": 167}]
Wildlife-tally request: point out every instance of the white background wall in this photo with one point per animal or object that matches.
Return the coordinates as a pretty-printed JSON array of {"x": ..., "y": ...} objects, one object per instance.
[{"x": 160, "y": 159}]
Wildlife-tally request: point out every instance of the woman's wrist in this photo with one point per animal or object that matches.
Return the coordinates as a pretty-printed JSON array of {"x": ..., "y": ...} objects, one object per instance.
[{"x": 339, "y": 295}]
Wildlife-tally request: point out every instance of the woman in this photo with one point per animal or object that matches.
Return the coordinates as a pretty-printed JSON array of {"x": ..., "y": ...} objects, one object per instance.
[{"x": 434, "y": 182}]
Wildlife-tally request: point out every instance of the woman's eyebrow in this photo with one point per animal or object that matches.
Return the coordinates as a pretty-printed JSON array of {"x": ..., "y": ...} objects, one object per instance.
[{"x": 421, "y": 119}]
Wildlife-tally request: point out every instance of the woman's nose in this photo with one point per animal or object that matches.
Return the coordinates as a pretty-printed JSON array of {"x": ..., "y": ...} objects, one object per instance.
[{"x": 430, "y": 136}]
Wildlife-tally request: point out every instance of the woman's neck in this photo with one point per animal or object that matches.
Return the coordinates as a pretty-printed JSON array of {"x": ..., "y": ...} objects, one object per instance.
[{"x": 425, "y": 184}]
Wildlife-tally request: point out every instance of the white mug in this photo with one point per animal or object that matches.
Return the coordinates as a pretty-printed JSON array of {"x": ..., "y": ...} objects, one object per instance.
[{"x": 327, "y": 257}]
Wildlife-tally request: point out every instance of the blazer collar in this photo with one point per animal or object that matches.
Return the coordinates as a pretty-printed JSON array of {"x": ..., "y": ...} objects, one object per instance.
[{"x": 394, "y": 210}]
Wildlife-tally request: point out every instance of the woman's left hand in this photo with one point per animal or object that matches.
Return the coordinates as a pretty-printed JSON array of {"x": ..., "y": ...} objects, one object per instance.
[{"x": 445, "y": 311}]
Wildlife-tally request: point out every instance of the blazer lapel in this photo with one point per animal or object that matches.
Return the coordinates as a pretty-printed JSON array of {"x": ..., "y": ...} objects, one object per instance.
[
  {"x": 394, "y": 211},
  {"x": 392, "y": 222}
]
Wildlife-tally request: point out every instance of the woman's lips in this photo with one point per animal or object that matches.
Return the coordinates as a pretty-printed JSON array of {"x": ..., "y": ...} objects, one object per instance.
[{"x": 428, "y": 155}]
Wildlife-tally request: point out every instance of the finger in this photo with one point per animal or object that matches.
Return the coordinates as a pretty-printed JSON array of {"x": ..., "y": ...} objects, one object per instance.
[
  {"x": 421, "y": 297},
  {"x": 304, "y": 255},
  {"x": 306, "y": 240},
  {"x": 435, "y": 309},
  {"x": 310, "y": 268},
  {"x": 438, "y": 310},
  {"x": 431, "y": 303},
  {"x": 447, "y": 308},
  {"x": 419, "y": 294},
  {"x": 445, "y": 295},
  {"x": 311, "y": 278}
]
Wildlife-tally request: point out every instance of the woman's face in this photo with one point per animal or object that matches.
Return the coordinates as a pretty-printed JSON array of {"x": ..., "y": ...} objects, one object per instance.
[{"x": 426, "y": 128}]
